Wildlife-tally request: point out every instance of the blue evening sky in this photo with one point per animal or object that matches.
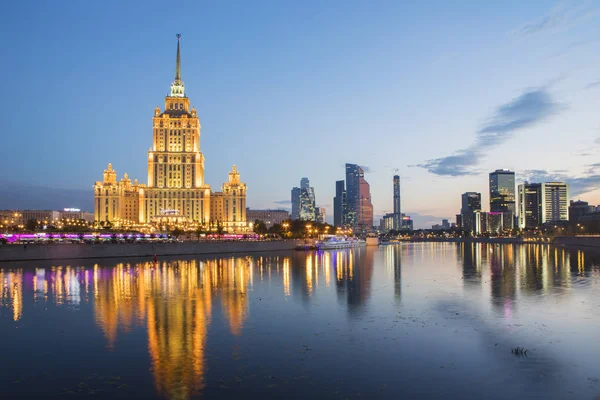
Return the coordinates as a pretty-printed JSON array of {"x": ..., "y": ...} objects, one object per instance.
[{"x": 442, "y": 91}]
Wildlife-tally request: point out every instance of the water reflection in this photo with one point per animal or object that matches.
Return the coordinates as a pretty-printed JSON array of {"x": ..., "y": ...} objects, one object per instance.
[{"x": 176, "y": 304}]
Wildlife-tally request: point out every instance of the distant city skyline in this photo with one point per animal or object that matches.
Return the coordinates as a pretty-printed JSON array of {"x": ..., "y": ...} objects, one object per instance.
[{"x": 281, "y": 74}]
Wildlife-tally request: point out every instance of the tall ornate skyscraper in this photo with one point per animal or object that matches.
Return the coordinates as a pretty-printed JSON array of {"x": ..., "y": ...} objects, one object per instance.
[
  {"x": 176, "y": 185},
  {"x": 176, "y": 191}
]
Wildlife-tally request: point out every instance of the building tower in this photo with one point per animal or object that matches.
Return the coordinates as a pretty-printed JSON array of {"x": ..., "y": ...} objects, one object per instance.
[
  {"x": 228, "y": 207},
  {"x": 540, "y": 203},
  {"x": 358, "y": 199},
  {"x": 502, "y": 196},
  {"x": 295, "y": 203},
  {"x": 339, "y": 204},
  {"x": 176, "y": 187},
  {"x": 397, "y": 211}
]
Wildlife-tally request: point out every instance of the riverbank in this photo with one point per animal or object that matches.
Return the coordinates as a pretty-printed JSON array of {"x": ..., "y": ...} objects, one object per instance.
[
  {"x": 564, "y": 241},
  {"x": 121, "y": 250}
]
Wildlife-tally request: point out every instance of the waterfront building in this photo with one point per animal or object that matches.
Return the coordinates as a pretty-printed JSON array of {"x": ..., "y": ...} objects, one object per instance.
[
  {"x": 176, "y": 192},
  {"x": 303, "y": 201},
  {"x": 229, "y": 209},
  {"x": 269, "y": 217},
  {"x": 339, "y": 204},
  {"x": 359, "y": 209},
  {"x": 321, "y": 215},
  {"x": 397, "y": 210},
  {"x": 386, "y": 223},
  {"x": 502, "y": 196},
  {"x": 540, "y": 203},
  {"x": 471, "y": 202},
  {"x": 578, "y": 209},
  {"x": 407, "y": 223},
  {"x": 295, "y": 203}
]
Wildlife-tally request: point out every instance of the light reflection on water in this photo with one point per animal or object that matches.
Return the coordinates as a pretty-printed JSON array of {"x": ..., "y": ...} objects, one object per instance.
[{"x": 307, "y": 324}]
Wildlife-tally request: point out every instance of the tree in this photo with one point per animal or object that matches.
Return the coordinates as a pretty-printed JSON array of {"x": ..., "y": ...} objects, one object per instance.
[
  {"x": 31, "y": 225},
  {"x": 198, "y": 232},
  {"x": 176, "y": 233},
  {"x": 219, "y": 228},
  {"x": 260, "y": 227}
]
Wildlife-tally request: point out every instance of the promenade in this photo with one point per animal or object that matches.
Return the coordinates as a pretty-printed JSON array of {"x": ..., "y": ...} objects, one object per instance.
[{"x": 69, "y": 251}]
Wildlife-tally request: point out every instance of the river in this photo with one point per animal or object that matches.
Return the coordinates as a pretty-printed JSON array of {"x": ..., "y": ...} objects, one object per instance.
[{"x": 422, "y": 320}]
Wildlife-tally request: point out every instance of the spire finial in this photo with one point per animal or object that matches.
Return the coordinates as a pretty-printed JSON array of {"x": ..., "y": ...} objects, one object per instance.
[{"x": 178, "y": 62}]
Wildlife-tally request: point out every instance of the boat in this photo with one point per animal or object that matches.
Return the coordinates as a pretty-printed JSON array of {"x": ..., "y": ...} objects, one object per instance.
[
  {"x": 339, "y": 242},
  {"x": 372, "y": 239}
]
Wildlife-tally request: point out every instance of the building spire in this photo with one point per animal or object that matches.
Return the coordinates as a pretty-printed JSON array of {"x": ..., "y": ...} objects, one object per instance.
[
  {"x": 177, "y": 88},
  {"x": 178, "y": 62}
]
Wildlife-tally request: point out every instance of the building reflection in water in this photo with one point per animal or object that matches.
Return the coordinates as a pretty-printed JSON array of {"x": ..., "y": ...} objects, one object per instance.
[
  {"x": 175, "y": 302},
  {"x": 353, "y": 276},
  {"x": 393, "y": 260}
]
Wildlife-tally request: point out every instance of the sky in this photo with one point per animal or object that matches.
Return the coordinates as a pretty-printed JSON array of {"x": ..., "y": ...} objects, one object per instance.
[{"x": 439, "y": 92}]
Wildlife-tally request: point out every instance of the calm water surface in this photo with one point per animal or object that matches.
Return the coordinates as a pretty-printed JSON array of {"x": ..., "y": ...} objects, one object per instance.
[{"x": 399, "y": 321}]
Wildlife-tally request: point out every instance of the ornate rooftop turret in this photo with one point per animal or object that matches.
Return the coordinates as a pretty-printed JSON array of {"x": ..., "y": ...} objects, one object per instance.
[{"x": 177, "y": 88}]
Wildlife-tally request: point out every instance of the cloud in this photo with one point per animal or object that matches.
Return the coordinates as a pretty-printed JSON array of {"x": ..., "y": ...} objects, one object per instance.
[
  {"x": 282, "y": 202},
  {"x": 591, "y": 85},
  {"x": 366, "y": 169},
  {"x": 565, "y": 14},
  {"x": 577, "y": 184},
  {"x": 528, "y": 109},
  {"x": 597, "y": 141},
  {"x": 455, "y": 165}
]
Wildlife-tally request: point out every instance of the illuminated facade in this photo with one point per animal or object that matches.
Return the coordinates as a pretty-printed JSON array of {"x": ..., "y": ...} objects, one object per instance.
[
  {"x": 176, "y": 192},
  {"x": 228, "y": 207}
]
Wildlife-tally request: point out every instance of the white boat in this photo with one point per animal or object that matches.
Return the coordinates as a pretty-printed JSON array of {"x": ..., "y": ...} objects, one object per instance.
[
  {"x": 372, "y": 239},
  {"x": 339, "y": 242}
]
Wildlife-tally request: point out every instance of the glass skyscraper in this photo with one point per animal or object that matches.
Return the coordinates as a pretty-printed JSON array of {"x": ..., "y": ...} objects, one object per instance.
[
  {"x": 359, "y": 209},
  {"x": 502, "y": 191},
  {"x": 339, "y": 204},
  {"x": 397, "y": 212}
]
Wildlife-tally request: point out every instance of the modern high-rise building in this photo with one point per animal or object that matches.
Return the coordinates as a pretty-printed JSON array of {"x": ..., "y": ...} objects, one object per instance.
[
  {"x": 308, "y": 210},
  {"x": 353, "y": 173},
  {"x": 359, "y": 209},
  {"x": 471, "y": 202},
  {"x": 303, "y": 201},
  {"x": 502, "y": 196},
  {"x": 176, "y": 192},
  {"x": 321, "y": 215},
  {"x": 339, "y": 204},
  {"x": 540, "y": 203},
  {"x": 502, "y": 191},
  {"x": 296, "y": 203},
  {"x": 397, "y": 210}
]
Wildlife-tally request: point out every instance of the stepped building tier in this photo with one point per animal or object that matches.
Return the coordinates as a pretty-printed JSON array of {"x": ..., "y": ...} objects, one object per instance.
[{"x": 176, "y": 192}]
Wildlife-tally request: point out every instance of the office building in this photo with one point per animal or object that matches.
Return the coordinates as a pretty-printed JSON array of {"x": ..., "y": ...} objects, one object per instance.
[
  {"x": 397, "y": 209},
  {"x": 339, "y": 204},
  {"x": 176, "y": 192},
  {"x": 540, "y": 203},
  {"x": 578, "y": 209},
  {"x": 321, "y": 215},
  {"x": 407, "y": 223},
  {"x": 305, "y": 209},
  {"x": 502, "y": 196},
  {"x": 296, "y": 203},
  {"x": 386, "y": 223},
  {"x": 269, "y": 217},
  {"x": 359, "y": 209},
  {"x": 471, "y": 202}
]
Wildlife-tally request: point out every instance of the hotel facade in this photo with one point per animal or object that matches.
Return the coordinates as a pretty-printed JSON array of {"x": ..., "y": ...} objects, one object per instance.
[{"x": 176, "y": 193}]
